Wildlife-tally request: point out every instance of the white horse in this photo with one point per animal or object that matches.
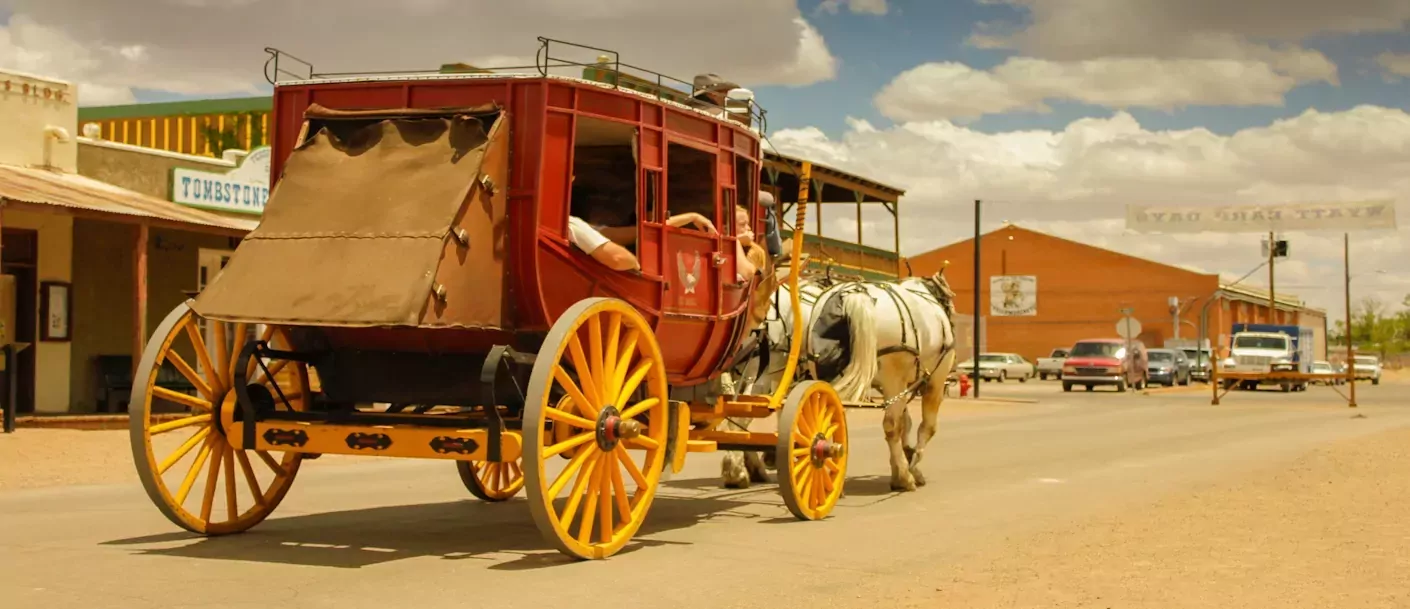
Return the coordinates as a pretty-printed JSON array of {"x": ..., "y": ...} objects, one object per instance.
[{"x": 901, "y": 342}]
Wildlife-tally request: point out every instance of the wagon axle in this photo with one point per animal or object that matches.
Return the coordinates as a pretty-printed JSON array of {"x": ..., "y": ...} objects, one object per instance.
[
  {"x": 613, "y": 428},
  {"x": 823, "y": 449}
]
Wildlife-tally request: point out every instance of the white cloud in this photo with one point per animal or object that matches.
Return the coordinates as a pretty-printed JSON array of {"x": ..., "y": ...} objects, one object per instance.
[
  {"x": 954, "y": 90},
  {"x": 1076, "y": 182},
  {"x": 862, "y": 7},
  {"x": 1257, "y": 30},
  {"x": 213, "y": 47},
  {"x": 1395, "y": 64}
]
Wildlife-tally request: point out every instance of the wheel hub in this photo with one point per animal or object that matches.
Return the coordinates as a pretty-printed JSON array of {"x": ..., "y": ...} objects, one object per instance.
[
  {"x": 824, "y": 449},
  {"x": 612, "y": 428}
]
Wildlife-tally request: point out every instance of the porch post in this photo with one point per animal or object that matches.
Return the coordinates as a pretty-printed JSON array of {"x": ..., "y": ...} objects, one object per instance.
[{"x": 139, "y": 305}]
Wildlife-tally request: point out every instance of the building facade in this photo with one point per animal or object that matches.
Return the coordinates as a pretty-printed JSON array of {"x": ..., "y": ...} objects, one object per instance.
[
  {"x": 1038, "y": 292},
  {"x": 95, "y": 252},
  {"x": 200, "y": 127}
]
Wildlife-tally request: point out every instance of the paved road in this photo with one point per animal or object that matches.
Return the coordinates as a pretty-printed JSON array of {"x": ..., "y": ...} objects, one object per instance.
[{"x": 405, "y": 534}]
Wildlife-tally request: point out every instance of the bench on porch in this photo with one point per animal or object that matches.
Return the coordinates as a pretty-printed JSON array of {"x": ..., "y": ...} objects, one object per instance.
[{"x": 115, "y": 381}]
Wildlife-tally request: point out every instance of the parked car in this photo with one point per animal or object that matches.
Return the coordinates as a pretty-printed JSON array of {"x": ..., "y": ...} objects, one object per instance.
[
  {"x": 1105, "y": 361},
  {"x": 1199, "y": 363},
  {"x": 1000, "y": 367},
  {"x": 1325, "y": 374},
  {"x": 1052, "y": 364},
  {"x": 1168, "y": 367},
  {"x": 1368, "y": 367}
]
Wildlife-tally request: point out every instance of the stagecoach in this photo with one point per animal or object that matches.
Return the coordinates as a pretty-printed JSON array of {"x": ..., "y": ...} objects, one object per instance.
[{"x": 411, "y": 291}]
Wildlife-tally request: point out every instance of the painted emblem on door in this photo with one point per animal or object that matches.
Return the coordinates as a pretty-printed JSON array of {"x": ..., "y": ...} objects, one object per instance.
[{"x": 688, "y": 277}]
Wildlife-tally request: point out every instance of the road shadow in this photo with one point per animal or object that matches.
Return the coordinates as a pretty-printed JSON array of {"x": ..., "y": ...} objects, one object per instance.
[{"x": 501, "y": 535}]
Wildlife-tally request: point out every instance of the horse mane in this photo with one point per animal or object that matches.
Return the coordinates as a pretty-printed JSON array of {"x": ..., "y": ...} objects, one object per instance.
[{"x": 940, "y": 289}]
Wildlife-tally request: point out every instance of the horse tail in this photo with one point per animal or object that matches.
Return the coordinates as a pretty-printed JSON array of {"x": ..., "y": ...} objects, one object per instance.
[{"x": 856, "y": 378}]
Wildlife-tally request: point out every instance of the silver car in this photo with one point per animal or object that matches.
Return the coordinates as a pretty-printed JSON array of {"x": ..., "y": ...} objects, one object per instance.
[{"x": 1000, "y": 367}]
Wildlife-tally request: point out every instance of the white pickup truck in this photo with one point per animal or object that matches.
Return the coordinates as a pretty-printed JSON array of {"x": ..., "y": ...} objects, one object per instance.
[
  {"x": 1261, "y": 353},
  {"x": 1052, "y": 365}
]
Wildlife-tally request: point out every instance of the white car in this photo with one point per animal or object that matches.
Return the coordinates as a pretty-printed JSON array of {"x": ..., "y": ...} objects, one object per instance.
[
  {"x": 1000, "y": 367},
  {"x": 1367, "y": 367},
  {"x": 1326, "y": 374}
]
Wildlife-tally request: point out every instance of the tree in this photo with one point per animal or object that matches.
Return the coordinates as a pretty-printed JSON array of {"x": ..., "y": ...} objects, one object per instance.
[{"x": 230, "y": 138}]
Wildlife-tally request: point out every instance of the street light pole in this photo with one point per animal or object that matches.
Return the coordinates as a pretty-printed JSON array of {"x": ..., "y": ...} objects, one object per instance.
[
  {"x": 975, "y": 378},
  {"x": 1350, "y": 359}
]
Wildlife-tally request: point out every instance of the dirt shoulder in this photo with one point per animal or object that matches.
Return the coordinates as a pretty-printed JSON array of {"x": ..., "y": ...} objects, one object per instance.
[{"x": 1329, "y": 531}]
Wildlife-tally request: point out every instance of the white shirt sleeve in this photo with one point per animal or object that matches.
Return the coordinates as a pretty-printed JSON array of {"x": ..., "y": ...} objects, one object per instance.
[{"x": 584, "y": 236}]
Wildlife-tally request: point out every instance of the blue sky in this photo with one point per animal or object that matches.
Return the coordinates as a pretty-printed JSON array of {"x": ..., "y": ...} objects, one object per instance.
[{"x": 873, "y": 49}]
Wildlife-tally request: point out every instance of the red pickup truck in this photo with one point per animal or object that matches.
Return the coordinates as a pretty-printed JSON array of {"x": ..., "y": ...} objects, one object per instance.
[{"x": 1105, "y": 361}]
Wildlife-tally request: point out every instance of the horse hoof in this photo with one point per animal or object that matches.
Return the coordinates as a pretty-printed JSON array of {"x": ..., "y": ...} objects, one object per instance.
[
  {"x": 737, "y": 484},
  {"x": 920, "y": 480},
  {"x": 903, "y": 486}
]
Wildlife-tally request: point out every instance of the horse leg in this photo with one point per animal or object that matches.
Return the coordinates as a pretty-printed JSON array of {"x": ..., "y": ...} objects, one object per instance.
[
  {"x": 734, "y": 466},
  {"x": 931, "y": 399},
  {"x": 907, "y": 447},
  {"x": 893, "y": 424}
]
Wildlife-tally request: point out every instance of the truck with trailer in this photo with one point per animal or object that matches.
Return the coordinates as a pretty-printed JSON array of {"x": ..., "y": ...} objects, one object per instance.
[{"x": 1268, "y": 354}]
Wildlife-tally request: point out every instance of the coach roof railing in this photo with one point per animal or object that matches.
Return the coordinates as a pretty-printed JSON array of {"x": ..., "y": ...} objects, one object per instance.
[{"x": 283, "y": 67}]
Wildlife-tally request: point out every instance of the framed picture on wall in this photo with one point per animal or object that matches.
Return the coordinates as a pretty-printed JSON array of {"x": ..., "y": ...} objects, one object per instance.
[{"x": 55, "y": 311}]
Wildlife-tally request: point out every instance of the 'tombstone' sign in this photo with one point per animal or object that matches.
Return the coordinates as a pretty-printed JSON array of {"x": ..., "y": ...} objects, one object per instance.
[{"x": 243, "y": 189}]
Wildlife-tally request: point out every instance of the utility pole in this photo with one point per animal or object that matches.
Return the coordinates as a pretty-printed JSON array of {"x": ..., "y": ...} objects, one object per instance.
[
  {"x": 1350, "y": 359},
  {"x": 1272, "y": 253},
  {"x": 975, "y": 379}
]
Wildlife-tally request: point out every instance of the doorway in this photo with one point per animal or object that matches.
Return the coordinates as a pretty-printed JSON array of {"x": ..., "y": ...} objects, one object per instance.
[{"x": 20, "y": 259}]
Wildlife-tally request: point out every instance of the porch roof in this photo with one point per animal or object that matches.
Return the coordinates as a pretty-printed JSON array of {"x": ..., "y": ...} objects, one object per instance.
[{"x": 44, "y": 190}]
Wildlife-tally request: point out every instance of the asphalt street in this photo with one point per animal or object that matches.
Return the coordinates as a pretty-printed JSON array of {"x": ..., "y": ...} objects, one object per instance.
[{"x": 407, "y": 534}]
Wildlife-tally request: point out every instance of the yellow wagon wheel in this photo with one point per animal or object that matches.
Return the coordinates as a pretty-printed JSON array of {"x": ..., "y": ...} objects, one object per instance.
[
  {"x": 602, "y": 353},
  {"x": 186, "y": 465},
  {"x": 491, "y": 480},
  {"x": 812, "y": 450}
]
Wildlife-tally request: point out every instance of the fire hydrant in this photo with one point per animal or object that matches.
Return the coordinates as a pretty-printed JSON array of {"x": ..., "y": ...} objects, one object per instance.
[{"x": 964, "y": 385}]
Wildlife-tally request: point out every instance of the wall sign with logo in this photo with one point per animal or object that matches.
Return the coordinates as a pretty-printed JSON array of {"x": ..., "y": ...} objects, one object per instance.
[
  {"x": 1013, "y": 295},
  {"x": 243, "y": 189}
]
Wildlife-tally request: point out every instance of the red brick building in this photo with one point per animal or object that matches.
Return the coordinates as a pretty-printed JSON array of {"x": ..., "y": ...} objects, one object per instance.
[{"x": 1069, "y": 291}]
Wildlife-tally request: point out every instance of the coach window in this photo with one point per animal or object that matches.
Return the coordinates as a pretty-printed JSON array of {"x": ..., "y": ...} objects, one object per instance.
[
  {"x": 690, "y": 183},
  {"x": 604, "y": 176}
]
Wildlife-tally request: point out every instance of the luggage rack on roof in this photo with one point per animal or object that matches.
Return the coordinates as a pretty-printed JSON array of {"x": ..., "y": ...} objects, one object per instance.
[{"x": 608, "y": 70}]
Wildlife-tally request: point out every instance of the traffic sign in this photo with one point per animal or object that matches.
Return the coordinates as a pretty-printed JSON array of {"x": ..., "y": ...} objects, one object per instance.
[{"x": 1128, "y": 328}]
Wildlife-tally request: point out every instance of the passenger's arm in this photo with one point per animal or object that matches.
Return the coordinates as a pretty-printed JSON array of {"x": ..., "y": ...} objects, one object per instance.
[
  {"x": 622, "y": 235},
  {"x": 616, "y": 257},
  {"x": 680, "y": 220},
  {"x": 742, "y": 262}
]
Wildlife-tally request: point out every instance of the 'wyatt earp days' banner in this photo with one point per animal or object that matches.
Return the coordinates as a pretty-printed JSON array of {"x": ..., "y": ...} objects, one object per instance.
[{"x": 1363, "y": 215}]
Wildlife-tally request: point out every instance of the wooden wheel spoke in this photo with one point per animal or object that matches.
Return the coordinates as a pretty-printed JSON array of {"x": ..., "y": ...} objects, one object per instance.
[
  {"x": 575, "y": 496},
  {"x": 829, "y": 483},
  {"x": 580, "y": 399},
  {"x": 203, "y": 355},
  {"x": 632, "y": 469},
  {"x": 624, "y": 361},
  {"x": 609, "y": 357},
  {"x": 250, "y": 478},
  {"x": 185, "y": 490},
  {"x": 222, "y": 348},
  {"x": 644, "y": 443},
  {"x": 232, "y": 504},
  {"x": 569, "y": 419},
  {"x": 833, "y": 464},
  {"x": 619, "y": 489},
  {"x": 190, "y": 373},
  {"x": 237, "y": 341},
  {"x": 831, "y": 431},
  {"x": 640, "y": 407},
  {"x": 801, "y": 452},
  {"x": 182, "y": 451},
  {"x": 585, "y": 374},
  {"x": 805, "y": 489},
  {"x": 800, "y": 439},
  {"x": 190, "y": 401},
  {"x": 595, "y": 346},
  {"x": 569, "y": 444},
  {"x": 178, "y": 424},
  {"x": 212, "y": 477},
  {"x": 277, "y": 467},
  {"x": 571, "y": 469},
  {"x": 274, "y": 369},
  {"x": 629, "y": 387},
  {"x": 594, "y": 492},
  {"x": 604, "y": 497}
]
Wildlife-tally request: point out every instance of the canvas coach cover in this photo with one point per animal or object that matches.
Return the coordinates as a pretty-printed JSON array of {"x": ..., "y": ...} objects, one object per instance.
[{"x": 381, "y": 218}]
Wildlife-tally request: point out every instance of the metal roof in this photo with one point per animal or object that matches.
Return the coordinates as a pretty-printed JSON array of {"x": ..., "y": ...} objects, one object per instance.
[
  {"x": 791, "y": 161},
  {"x": 26, "y": 186}
]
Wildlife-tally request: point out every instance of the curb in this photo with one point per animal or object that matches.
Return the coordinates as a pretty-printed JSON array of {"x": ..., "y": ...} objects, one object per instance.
[{"x": 82, "y": 422}]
